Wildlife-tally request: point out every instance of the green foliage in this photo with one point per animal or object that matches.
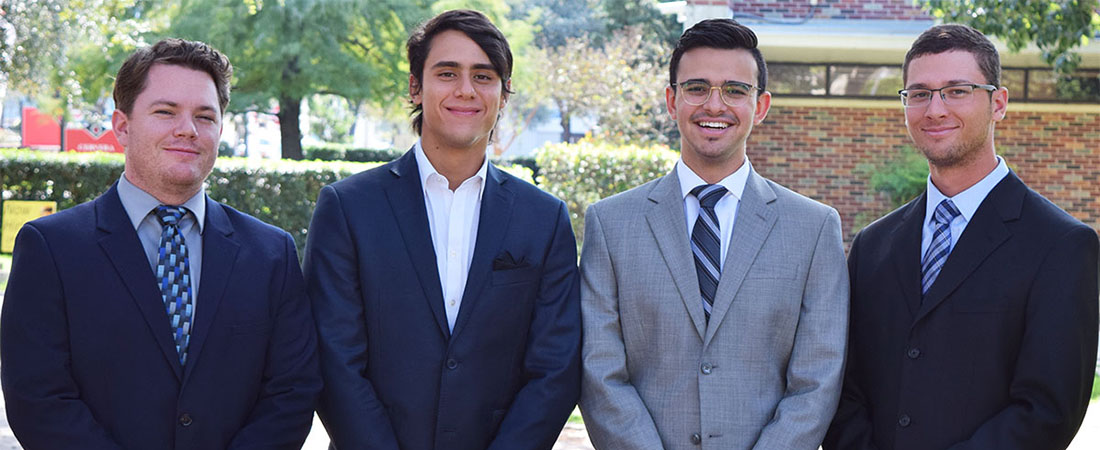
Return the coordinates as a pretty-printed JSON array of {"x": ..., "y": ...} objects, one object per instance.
[
  {"x": 585, "y": 172},
  {"x": 282, "y": 193},
  {"x": 1056, "y": 27},
  {"x": 1096, "y": 386},
  {"x": 338, "y": 152},
  {"x": 902, "y": 178}
]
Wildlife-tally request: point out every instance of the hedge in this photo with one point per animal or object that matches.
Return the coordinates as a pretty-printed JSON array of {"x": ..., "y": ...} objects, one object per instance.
[
  {"x": 585, "y": 172},
  {"x": 336, "y": 152},
  {"x": 282, "y": 193}
]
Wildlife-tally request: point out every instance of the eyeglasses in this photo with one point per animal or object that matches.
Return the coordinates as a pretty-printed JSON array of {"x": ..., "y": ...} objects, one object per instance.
[
  {"x": 955, "y": 94},
  {"x": 733, "y": 93}
]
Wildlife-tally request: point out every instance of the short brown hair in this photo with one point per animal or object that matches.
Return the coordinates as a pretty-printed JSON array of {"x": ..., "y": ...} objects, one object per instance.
[
  {"x": 176, "y": 52},
  {"x": 949, "y": 37},
  {"x": 475, "y": 26}
]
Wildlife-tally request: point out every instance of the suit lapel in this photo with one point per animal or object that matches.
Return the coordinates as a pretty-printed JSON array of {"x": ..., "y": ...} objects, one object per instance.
[
  {"x": 755, "y": 219},
  {"x": 905, "y": 252},
  {"x": 121, "y": 244},
  {"x": 984, "y": 234},
  {"x": 219, "y": 255},
  {"x": 406, "y": 197},
  {"x": 496, "y": 213},
  {"x": 666, "y": 221}
]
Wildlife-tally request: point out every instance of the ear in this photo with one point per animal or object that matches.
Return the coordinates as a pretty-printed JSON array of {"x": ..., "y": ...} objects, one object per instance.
[
  {"x": 763, "y": 104},
  {"x": 670, "y": 101},
  {"x": 414, "y": 89},
  {"x": 120, "y": 124},
  {"x": 999, "y": 102},
  {"x": 504, "y": 93}
]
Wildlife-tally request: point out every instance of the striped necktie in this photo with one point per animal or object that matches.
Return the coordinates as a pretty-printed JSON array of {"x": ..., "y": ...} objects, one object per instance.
[
  {"x": 937, "y": 252},
  {"x": 174, "y": 276},
  {"x": 706, "y": 243}
]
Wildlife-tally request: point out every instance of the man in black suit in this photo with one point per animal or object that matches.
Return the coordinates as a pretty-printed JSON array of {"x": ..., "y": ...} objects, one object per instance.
[{"x": 974, "y": 307}]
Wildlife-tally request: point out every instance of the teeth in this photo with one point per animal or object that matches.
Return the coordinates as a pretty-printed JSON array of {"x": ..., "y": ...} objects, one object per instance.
[{"x": 718, "y": 125}]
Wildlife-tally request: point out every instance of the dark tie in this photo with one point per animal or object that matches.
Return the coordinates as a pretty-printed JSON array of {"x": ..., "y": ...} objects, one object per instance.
[
  {"x": 940, "y": 247},
  {"x": 706, "y": 243},
  {"x": 174, "y": 276}
]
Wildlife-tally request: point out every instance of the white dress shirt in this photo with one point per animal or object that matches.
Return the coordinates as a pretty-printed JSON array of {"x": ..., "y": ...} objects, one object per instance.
[
  {"x": 966, "y": 201},
  {"x": 452, "y": 219},
  {"x": 139, "y": 206},
  {"x": 726, "y": 208}
]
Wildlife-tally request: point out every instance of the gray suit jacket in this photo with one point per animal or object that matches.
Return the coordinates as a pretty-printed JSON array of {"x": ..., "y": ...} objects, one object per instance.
[{"x": 764, "y": 374}]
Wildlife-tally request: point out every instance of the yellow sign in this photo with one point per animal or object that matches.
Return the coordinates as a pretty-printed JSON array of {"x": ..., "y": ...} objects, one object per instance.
[{"x": 17, "y": 213}]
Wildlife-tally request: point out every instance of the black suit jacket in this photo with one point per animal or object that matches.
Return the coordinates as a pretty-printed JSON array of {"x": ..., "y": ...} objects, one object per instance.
[
  {"x": 1001, "y": 352},
  {"x": 88, "y": 356},
  {"x": 395, "y": 375}
]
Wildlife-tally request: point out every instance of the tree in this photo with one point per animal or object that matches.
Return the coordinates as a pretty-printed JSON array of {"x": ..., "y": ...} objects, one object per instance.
[
  {"x": 1056, "y": 27},
  {"x": 287, "y": 50}
]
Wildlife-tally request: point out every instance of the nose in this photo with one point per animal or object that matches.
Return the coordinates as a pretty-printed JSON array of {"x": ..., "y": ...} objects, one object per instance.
[
  {"x": 714, "y": 104},
  {"x": 465, "y": 87},
  {"x": 185, "y": 127},
  {"x": 936, "y": 106}
]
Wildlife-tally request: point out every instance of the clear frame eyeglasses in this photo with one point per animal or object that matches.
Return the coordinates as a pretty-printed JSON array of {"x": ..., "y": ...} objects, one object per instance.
[
  {"x": 951, "y": 95},
  {"x": 733, "y": 93}
]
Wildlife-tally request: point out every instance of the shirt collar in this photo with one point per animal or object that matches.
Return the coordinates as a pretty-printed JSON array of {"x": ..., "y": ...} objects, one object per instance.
[
  {"x": 734, "y": 182},
  {"x": 139, "y": 203},
  {"x": 968, "y": 200},
  {"x": 427, "y": 169}
]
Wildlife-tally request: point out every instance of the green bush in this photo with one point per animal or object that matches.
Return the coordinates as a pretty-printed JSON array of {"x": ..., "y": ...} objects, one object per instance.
[
  {"x": 324, "y": 153},
  {"x": 282, "y": 193},
  {"x": 902, "y": 178},
  {"x": 340, "y": 152},
  {"x": 583, "y": 173}
]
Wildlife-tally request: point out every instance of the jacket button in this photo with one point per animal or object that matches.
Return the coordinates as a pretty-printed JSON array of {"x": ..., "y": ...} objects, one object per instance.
[
  {"x": 903, "y": 421},
  {"x": 452, "y": 364},
  {"x": 696, "y": 439},
  {"x": 185, "y": 420},
  {"x": 913, "y": 353},
  {"x": 706, "y": 368}
]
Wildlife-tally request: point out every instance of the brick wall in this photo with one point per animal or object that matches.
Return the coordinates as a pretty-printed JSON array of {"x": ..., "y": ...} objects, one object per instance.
[
  {"x": 829, "y": 153},
  {"x": 827, "y": 9}
]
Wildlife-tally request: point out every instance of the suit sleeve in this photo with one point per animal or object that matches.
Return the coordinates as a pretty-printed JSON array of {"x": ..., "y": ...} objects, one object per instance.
[
  {"x": 283, "y": 414},
  {"x": 613, "y": 411},
  {"x": 815, "y": 369},
  {"x": 552, "y": 361},
  {"x": 43, "y": 402},
  {"x": 349, "y": 408},
  {"x": 1053, "y": 376},
  {"x": 851, "y": 428}
]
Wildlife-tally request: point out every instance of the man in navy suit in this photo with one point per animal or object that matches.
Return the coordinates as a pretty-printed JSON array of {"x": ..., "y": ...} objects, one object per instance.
[
  {"x": 974, "y": 307},
  {"x": 154, "y": 317},
  {"x": 445, "y": 290}
]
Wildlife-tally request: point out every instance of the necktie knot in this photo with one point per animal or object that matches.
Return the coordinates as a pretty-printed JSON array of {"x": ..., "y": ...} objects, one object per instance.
[
  {"x": 708, "y": 194},
  {"x": 945, "y": 212},
  {"x": 169, "y": 215}
]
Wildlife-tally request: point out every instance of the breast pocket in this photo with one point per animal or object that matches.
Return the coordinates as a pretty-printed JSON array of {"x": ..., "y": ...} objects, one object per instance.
[{"x": 514, "y": 276}]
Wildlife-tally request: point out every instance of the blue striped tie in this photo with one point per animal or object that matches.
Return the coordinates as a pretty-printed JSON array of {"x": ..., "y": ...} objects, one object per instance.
[
  {"x": 940, "y": 247},
  {"x": 706, "y": 244},
  {"x": 174, "y": 277}
]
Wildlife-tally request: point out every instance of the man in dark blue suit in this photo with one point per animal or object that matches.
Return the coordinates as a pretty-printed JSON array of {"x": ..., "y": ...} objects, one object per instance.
[
  {"x": 974, "y": 307},
  {"x": 154, "y": 317},
  {"x": 445, "y": 290}
]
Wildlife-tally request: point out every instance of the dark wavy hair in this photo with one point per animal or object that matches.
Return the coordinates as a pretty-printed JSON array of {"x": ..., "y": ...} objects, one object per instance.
[
  {"x": 175, "y": 52},
  {"x": 724, "y": 34}
]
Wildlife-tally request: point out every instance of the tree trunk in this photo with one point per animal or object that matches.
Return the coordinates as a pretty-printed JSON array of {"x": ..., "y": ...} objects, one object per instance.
[
  {"x": 566, "y": 136},
  {"x": 289, "y": 128}
]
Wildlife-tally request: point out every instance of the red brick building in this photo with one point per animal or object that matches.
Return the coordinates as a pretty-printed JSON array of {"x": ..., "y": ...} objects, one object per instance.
[{"x": 835, "y": 68}]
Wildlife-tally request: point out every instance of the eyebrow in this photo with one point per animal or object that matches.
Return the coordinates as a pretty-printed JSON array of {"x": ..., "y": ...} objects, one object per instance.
[
  {"x": 949, "y": 83},
  {"x": 719, "y": 84},
  {"x": 172, "y": 104},
  {"x": 456, "y": 64}
]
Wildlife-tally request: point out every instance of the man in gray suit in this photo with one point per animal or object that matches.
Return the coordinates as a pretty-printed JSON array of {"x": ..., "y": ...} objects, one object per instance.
[{"x": 714, "y": 301}]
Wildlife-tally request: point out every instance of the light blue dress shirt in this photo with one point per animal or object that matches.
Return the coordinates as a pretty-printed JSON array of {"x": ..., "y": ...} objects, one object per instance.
[{"x": 966, "y": 201}]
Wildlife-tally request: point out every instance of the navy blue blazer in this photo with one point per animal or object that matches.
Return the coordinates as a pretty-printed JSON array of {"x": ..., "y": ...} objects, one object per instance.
[
  {"x": 88, "y": 356},
  {"x": 1001, "y": 352},
  {"x": 395, "y": 376}
]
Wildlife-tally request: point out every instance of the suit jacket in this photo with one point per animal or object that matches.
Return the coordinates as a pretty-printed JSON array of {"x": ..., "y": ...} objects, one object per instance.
[
  {"x": 1000, "y": 353},
  {"x": 764, "y": 374},
  {"x": 88, "y": 356},
  {"x": 507, "y": 377}
]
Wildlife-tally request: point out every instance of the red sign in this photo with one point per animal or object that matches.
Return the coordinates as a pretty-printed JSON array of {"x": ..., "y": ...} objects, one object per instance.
[{"x": 42, "y": 131}]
